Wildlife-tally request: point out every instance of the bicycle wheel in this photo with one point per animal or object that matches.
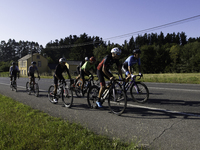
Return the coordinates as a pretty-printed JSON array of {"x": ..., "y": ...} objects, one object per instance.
[
  {"x": 78, "y": 88},
  {"x": 11, "y": 86},
  {"x": 67, "y": 97},
  {"x": 117, "y": 99},
  {"x": 51, "y": 93},
  {"x": 92, "y": 96},
  {"x": 15, "y": 87},
  {"x": 36, "y": 90},
  {"x": 27, "y": 88},
  {"x": 139, "y": 92}
]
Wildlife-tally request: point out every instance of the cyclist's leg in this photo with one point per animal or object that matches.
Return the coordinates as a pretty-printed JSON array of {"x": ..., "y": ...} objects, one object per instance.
[
  {"x": 11, "y": 78},
  {"x": 15, "y": 77},
  {"x": 55, "y": 100},
  {"x": 125, "y": 70},
  {"x": 102, "y": 86},
  {"x": 33, "y": 80},
  {"x": 55, "y": 85},
  {"x": 30, "y": 80},
  {"x": 82, "y": 76}
]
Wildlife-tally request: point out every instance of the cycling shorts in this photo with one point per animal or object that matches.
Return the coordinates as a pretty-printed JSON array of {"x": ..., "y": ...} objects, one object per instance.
[
  {"x": 82, "y": 74},
  {"x": 13, "y": 75},
  {"x": 55, "y": 80},
  {"x": 101, "y": 76}
]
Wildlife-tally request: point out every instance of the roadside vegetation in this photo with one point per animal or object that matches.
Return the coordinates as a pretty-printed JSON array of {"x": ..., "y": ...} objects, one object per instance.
[
  {"x": 22, "y": 127},
  {"x": 188, "y": 78}
]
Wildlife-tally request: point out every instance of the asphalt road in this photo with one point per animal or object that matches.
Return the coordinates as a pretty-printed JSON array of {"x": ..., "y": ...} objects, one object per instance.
[{"x": 170, "y": 120}]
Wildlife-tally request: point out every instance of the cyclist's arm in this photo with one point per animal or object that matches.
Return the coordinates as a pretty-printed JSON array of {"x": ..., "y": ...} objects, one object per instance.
[
  {"x": 38, "y": 73},
  {"x": 129, "y": 75},
  {"x": 139, "y": 65},
  {"x": 105, "y": 71},
  {"x": 10, "y": 71},
  {"x": 120, "y": 72},
  {"x": 87, "y": 72},
  {"x": 67, "y": 70}
]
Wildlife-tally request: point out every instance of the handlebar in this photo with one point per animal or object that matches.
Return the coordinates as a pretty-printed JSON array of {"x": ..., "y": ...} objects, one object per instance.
[{"x": 134, "y": 76}]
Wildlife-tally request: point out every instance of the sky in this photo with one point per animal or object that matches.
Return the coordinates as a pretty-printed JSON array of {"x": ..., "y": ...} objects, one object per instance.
[{"x": 43, "y": 21}]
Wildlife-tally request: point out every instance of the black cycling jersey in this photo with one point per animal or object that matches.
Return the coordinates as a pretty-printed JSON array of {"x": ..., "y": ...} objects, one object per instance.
[
  {"x": 59, "y": 70},
  {"x": 108, "y": 61}
]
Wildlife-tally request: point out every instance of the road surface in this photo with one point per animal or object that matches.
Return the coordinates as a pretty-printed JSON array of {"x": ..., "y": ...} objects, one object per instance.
[{"x": 170, "y": 120}]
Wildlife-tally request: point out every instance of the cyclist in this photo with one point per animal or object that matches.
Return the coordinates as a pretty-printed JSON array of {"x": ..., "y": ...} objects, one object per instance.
[
  {"x": 130, "y": 61},
  {"x": 14, "y": 72},
  {"x": 79, "y": 69},
  {"x": 85, "y": 70},
  {"x": 103, "y": 70},
  {"x": 60, "y": 68},
  {"x": 31, "y": 71}
]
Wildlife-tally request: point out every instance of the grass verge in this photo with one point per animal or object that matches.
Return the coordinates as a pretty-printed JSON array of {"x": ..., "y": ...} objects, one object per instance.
[
  {"x": 188, "y": 78},
  {"x": 22, "y": 127}
]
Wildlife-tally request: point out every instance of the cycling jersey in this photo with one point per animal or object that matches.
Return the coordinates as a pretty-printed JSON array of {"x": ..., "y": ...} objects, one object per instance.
[
  {"x": 59, "y": 70},
  {"x": 87, "y": 66},
  {"x": 31, "y": 70},
  {"x": 107, "y": 62},
  {"x": 131, "y": 60},
  {"x": 13, "y": 70}
]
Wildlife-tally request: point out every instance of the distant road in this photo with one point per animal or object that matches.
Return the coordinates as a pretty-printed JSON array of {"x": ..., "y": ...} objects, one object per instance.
[{"x": 168, "y": 121}]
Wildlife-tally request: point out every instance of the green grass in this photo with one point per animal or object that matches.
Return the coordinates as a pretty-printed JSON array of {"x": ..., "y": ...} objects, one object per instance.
[
  {"x": 24, "y": 128},
  {"x": 189, "y": 78}
]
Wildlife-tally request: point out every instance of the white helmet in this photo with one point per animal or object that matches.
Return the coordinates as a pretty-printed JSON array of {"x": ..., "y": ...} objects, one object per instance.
[
  {"x": 116, "y": 50},
  {"x": 86, "y": 59},
  {"x": 61, "y": 60}
]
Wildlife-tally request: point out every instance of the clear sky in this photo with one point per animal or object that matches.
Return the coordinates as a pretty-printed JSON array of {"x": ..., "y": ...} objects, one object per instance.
[{"x": 45, "y": 20}]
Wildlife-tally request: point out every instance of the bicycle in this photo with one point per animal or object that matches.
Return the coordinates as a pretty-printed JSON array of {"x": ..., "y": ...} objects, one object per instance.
[
  {"x": 138, "y": 90},
  {"x": 63, "y": 91},
  {"x": 32, "y": 88},
  {"x": 13, "y": 85},
  {"x": 114, "y": 95},
  {"x": 88, "y": 82}
]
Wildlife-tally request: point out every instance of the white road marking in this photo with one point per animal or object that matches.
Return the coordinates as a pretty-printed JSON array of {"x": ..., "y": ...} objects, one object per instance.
[
  {"x": 23, "y": 87},
  {"x": 145, "y": 107},
  {"x": 164, "y": 110},
  {"x": 172, "y": 89}
]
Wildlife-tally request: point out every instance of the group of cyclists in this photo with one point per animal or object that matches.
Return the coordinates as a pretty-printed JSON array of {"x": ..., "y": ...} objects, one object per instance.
[
  {"x": 14, "y": 73},
  {"x": 84, "y": 70}
]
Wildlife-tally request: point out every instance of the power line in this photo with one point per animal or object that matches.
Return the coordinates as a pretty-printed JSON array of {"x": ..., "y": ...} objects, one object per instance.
[
  {"x": 133, "y": 33},
  {"x": 157, "y": 27}
]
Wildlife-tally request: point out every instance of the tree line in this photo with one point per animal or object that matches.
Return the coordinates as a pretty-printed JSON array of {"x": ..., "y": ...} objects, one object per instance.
[{"x": 160, "y": 54}]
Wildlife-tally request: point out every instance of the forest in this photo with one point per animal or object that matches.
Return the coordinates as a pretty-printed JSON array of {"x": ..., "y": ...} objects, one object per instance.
[{"x": 173, "y": 53}]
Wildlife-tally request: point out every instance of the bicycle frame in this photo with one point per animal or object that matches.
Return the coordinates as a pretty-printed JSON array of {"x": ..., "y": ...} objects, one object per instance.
[{"x": 127, "y": 85}]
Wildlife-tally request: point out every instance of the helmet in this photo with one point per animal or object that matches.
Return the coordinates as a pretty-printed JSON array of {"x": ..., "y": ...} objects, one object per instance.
[
  {"x": 61, "y": 60},
  {"x": 137, "y": 51},
  {"x": 92, "y": 59},
  {"x": 116, "y": 50},
  {"x": 86, "y": 59},
  {"x": 13, "y": 63},
  {"x": 33, "y": 63}
]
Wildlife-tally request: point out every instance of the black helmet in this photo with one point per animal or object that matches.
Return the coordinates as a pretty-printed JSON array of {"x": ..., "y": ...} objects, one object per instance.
[
  {"x": 13, "y": 63},
  {"x": 33, "y": 63},
  {"x": 137, "y": 51}
]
